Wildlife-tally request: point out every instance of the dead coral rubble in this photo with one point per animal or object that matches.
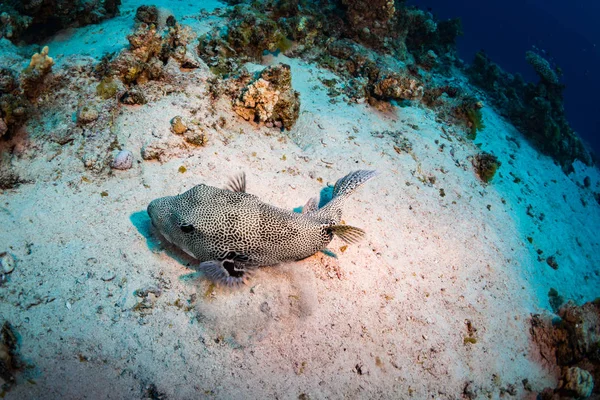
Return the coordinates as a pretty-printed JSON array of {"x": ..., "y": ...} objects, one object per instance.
[{"x": 572, "y": 343}]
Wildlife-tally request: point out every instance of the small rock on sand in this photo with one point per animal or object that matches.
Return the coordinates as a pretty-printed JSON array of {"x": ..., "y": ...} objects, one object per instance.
[{"x": 123, "y": 160}]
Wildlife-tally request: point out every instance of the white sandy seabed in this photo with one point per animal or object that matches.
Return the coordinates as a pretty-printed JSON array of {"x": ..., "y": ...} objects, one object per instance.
[{"x": 387, "y": 319}]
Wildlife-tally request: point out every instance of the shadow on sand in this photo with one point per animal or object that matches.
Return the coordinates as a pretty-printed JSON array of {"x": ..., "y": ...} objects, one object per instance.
[{"x": 156, "y": 243}]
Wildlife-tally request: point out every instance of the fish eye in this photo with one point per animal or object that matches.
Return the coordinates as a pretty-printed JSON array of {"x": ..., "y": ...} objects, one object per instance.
[{"x": 186, "y": 228}]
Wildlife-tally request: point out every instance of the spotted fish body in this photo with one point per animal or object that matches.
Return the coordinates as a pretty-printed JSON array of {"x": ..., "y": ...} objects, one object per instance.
[{"x": 232, "y": 232}]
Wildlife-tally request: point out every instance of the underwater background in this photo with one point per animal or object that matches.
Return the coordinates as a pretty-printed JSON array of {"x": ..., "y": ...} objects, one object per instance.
[
  {"x": 479, "y": 271},
  {"x": 567, "y": 33}
]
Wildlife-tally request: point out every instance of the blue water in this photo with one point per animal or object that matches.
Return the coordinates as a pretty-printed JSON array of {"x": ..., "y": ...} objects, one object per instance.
[{"x": 569, "y": 33}]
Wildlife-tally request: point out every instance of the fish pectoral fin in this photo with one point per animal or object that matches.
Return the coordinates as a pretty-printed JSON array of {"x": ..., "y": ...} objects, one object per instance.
[
  {"x": 311, "y": 205},
  {"x": 227, "y": 272},
  {"x": 237, "y": 183},
  {"x": 348, "y": 234}
]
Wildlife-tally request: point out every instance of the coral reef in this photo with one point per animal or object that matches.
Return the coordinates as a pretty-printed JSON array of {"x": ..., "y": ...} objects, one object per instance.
[
  {"x": 573, "y": 343},
  {"x": 536, "y": 109},
  {"x": 14, "y": 109},
  {"x": 270, "y": 98},
  {"x": 383, "y": 52},
  {"x": 34, "y": 20},
  {"x": 430, "y": 42},
  {"x": 369, "y": 20}
]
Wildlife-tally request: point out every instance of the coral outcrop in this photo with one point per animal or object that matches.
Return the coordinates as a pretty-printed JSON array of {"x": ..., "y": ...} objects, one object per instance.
[
  {"x": 151, "y": 48},
  {"x": 19, "y": 90},
  {"x": 535, "y": 108},
  {"x": 542, "y": 67},
  {"x": 397, "y": 86},
  {"x": 32, "y": 78},
  {"x": 573, "y": 343},
  {"x": 270, "y": 98}
]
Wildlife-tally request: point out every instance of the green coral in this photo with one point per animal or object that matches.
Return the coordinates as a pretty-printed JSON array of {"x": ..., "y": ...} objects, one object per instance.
[
  {"x": 469, "y": 110},
  {"x": 475, "y": 118}
]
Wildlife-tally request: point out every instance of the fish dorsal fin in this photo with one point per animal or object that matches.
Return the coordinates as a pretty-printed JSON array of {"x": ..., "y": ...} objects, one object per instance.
[
  {"x": 348, "y": 234},
  {"x": 237, "y": 183},
  {"x": 311, "y": 205}
]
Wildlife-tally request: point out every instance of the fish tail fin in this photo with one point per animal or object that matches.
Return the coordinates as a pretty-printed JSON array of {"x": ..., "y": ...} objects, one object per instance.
[
  {"x": 348, "y": 234},
  {"x": 344, "y": 187}
]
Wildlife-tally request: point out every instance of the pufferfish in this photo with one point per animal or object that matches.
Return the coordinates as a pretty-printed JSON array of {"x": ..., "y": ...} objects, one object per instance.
[{"x": 232, "y": 232}]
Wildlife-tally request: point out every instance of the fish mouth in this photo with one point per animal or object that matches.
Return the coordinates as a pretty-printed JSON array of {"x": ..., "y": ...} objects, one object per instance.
[{"x": 151, "y": 212}]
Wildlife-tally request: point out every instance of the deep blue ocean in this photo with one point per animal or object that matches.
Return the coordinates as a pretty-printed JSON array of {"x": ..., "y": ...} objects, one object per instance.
[{"x": 568, "y": 32}]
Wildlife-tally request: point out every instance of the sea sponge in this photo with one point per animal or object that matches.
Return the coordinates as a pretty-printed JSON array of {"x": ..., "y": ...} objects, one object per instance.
[
  {"x": 87, "y": 114},
  {"x": 41, "y": 61}
]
